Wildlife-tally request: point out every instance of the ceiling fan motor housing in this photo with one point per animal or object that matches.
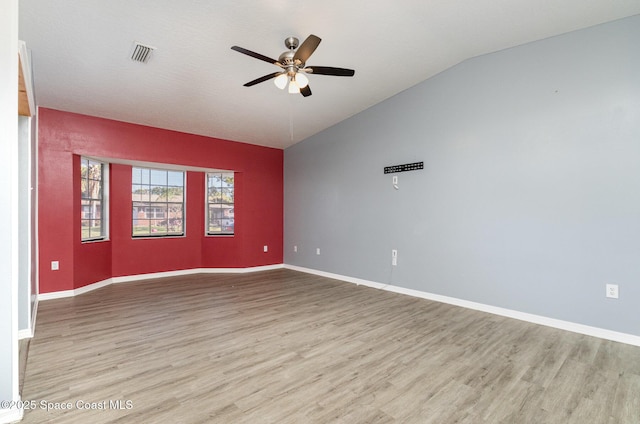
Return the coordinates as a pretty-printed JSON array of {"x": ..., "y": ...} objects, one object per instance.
[{"x": 289, "y": 64}]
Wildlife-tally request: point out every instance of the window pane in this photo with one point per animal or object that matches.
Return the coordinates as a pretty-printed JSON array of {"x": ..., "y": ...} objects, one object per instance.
[
  {"x": 86, "y": 233},
  {"x": 175, "y": 194},
  {"x": 227, "y": 227},
  {"x": 215, "y": 180},
  {"x": 145, "y": 176},
  {"x": 158, "y": 193},
  {"x": 158, "y": 177},
  {"x": 140, "y": 193},
  {"x": 95, "y": 170},
  {"x": 175, "y": 210},
  {"x": 158, "y": 227},
  {"x": 158, "y": 211},
  {"x": 215, "y": 211},
  {"x": 94, "y": 189},
  {"x": 84, "y": 165},
  {"x": 214, "y": 195},
  {"x": 227, "y": 195},
  {"x": 139, "y": 207},
  {"x": 175, "y": 225},
  {"x": 136, "y": 176},
  {"x": 175, "y": 178},
  {"x": 96, "y": 209},
  {"x": 84, "y": 188},
  {"x": 92, "y": 199},
  {"x": 220, "y": 203},
  {"x": 215, "y": 218},
  {"x": 158, "y": 207},
  {"x": 95, "y": 229},
  {"x": 227, "y": 180},
  {"x": 141, "y": 228}
]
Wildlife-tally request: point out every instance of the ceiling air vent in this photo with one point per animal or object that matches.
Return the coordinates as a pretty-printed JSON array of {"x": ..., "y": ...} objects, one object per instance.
[{"x": 141, "y": 53}]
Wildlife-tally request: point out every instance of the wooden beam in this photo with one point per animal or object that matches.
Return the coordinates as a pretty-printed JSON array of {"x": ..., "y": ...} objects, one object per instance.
[
  {"x": 26, "y": 101},
  {"x": 24, "y": 108}
]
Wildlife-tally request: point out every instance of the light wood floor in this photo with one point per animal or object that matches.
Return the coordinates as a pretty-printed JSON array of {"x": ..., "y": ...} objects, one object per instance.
[{"x": 286, "y": 347}]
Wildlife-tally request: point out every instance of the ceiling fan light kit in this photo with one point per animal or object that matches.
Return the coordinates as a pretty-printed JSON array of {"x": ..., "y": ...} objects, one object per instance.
[
  {"x": 293, "y": 64},
  {"x": 301, "y": 80},
  {"x": 281, "y": 81},
  {"x": 293, "y": 88}
]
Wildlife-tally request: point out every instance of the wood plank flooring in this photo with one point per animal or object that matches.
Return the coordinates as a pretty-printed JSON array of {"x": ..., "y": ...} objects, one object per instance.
[{"x": 287, "y": 347}]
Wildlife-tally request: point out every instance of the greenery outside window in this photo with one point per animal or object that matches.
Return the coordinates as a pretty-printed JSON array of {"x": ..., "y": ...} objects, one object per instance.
[
  {"x": 93, "y": 204},
  {"x": 220, "y": 203},
  {"x": 158, "y": 202}
]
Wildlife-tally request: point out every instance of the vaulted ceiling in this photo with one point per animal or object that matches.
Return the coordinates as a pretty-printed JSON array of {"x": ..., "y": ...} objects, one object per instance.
[{"x": 193, "y": 82}]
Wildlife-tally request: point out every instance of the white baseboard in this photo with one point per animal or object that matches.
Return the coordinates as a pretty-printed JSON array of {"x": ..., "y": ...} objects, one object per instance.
[
  {"x": 34, "y": 317},
  {"x": 357, "y": 281},
  {"x": 140, "y": 277},
  {"x": 26, "y": 333},
  {"x": 522, "y": 316},
  {"x": 75, "y": 292},
  {"x": 11, "y": 415},
  {"x": 56, "y": 295}
]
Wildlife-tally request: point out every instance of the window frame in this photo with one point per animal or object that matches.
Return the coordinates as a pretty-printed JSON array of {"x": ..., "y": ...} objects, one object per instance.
[
  {"x": 158, "y": 207},
  {"x": 230, "y": 205},
  {"x": 103, "y": 199}
]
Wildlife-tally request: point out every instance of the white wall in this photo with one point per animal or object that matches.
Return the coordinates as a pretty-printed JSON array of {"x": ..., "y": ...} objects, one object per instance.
[
  {"x": 9, "y": 207},
  {"x": 24, "y": 227},
  {"x": 529, "y": 199}
]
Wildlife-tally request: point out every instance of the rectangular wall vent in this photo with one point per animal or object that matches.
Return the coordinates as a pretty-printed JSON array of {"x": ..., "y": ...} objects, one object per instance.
[{"x": 141, "y": 53}]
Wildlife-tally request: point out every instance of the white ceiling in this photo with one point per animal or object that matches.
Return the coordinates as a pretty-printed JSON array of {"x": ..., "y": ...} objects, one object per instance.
[{"x": 193, "y": 82}]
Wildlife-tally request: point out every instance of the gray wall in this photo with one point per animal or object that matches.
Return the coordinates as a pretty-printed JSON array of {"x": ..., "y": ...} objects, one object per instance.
[{"x": 530, "y": 196}]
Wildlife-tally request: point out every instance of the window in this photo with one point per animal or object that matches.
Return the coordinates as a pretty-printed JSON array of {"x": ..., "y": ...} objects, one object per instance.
[
  {"x": 220, "y": 215},
  {"x": 93, "y": 184},
  {"x": 158, "y": 202}
]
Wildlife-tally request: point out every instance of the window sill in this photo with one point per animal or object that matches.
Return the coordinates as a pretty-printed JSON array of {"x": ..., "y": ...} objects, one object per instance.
[
  {"x": 173, "y": 236},
  {"x": 100, "y": 240}
]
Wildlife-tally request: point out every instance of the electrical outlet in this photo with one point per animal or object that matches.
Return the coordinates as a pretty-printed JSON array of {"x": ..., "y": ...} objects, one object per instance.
[
  {"x": 295, "y": 248},
  {"x": 266, "y": 248},
  {"x": 394, "y": 257},
  {"x": 55, "y": 265},
  {"x": 318, "y": 251},
  {"x": 612, "y": 291}
]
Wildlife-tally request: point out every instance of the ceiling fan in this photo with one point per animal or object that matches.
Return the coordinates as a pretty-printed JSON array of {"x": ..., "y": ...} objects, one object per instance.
[{"x": 293, "y": 64}]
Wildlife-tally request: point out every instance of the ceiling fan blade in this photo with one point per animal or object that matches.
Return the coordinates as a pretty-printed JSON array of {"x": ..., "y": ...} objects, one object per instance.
[
  {"x": 263, "y": 79},
  {"x": 305, "y": 91},
  {"x": 307, "y": 48},
  {"x": 255, "y": 55},
  {"x": 329, "y": 70}
]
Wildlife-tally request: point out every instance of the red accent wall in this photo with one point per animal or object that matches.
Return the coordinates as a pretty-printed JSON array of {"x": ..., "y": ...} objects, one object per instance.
[{"x": 63, "y": 137}]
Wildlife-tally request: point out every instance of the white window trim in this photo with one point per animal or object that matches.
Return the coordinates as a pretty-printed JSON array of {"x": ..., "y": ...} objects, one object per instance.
[
  {"x": 105, "y": 202},
  {"x": 206, "y": 204},
  {"x": 184, "y": 203}
]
